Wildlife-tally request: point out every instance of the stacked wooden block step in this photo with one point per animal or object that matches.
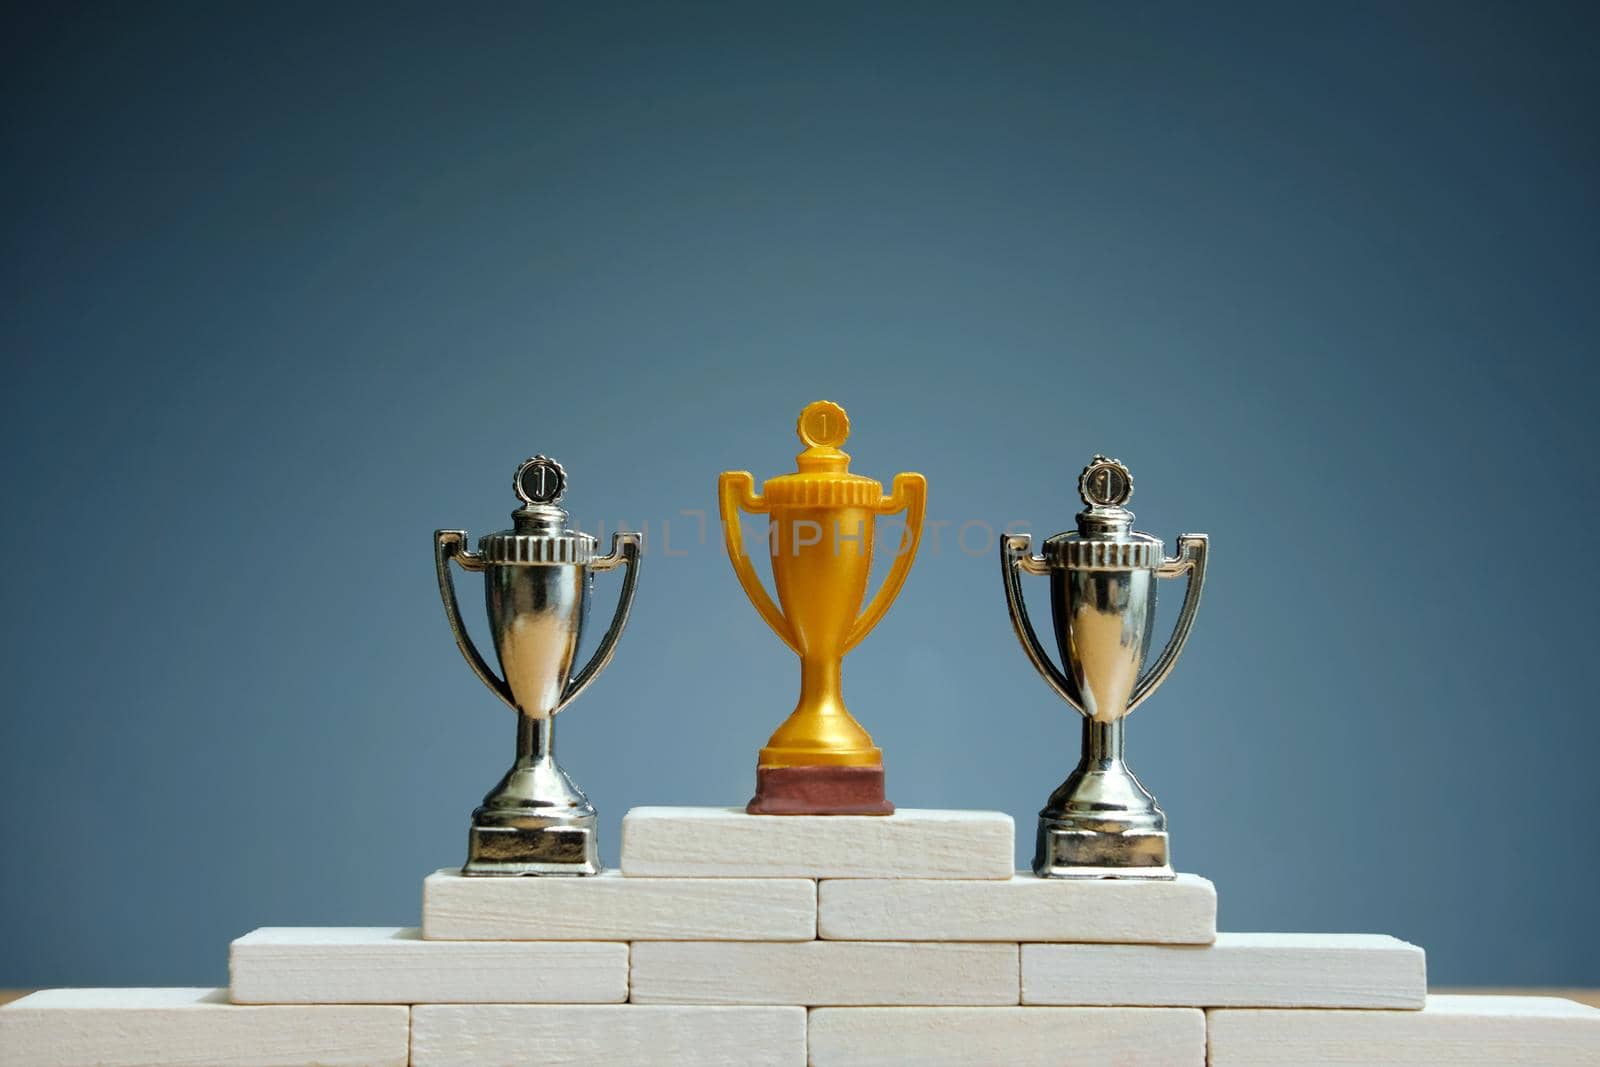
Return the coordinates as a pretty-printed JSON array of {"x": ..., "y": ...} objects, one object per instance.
[{"x": 753, "y": 940}]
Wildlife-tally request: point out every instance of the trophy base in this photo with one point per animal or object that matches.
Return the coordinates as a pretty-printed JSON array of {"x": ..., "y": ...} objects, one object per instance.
[
  {"x": 501, "y": 844},
  {"x": 535, "y": 821},
  {"x": 1100, "y": 822},
  {"x": 1139, "y": 854},
  {"x": 819, "y": 791}
]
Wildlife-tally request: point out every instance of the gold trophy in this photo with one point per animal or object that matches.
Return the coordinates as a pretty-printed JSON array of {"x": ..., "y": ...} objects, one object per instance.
[{"x": 821, "y": 523}]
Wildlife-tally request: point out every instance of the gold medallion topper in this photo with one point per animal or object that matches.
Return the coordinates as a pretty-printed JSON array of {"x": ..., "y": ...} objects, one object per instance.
[
  {"x": 820, "y": 761},
  {"x": 823, "y": 424}
]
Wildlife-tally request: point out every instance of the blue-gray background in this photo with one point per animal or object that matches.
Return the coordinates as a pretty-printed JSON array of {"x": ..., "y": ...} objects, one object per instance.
[{"x": 288, "y": 286}]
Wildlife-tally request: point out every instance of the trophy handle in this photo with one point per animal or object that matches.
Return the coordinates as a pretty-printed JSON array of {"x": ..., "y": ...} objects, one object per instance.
[
  {"x": 1190, "y": 560},
  {"x": 736, "y": 491},
  {"x": 626, "y": 549},
  {"x": 452, "y": 545},
  {"x": 1015, "y": 556},
  {"x": 910, "y": 492}
]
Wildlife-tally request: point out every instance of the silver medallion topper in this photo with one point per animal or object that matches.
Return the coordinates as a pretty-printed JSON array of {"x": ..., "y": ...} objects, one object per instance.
[
  {"x": 1101, "y": 823},
  {"x": 537, "y": 580}
]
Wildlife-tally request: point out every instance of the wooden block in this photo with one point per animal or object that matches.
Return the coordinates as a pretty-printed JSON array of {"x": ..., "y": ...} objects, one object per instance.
[
  {"x": 1451, "y": 1031},
  {"x": 1022, "y": 908},
  {"x": 626, "y": 1035},
  {"x": 1238, "y": 970},
  {"x": 823, "y": 973},
  {"x": 393, "y": 965},
  {"x": 1017, "y": 1037},
  {"x": 194, "y": 1028},
  {"x": 727, "y": 843},
  {"x": 609, "y": 907}
]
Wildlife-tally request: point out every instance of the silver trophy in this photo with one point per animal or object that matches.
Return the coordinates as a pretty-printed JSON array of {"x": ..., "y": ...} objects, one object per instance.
[
  {"x": 537, "y": 579},
  {"x": 1101, "y": 823}
]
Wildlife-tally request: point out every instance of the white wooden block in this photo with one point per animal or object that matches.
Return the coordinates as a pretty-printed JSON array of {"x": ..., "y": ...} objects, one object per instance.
[
  {"x": 1022, "y": 908},
  {"x": 727, "y": 843},
  {"x": 194, "y": 1028},
  {"x": 610, "y": 907},
  {"x": 1451, "y": 1031},
  {"x": 1238, "y": 970},
  {"x": 823, "y": 973},
  {"x": 1017, "y": 1037},
  {"x": 393, "y": 965},
  {"x": 626, "y": 1035}
]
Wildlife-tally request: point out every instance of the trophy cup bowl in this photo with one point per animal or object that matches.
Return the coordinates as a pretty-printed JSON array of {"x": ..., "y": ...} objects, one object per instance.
[
  {"x": 1101, "y": 822},
  {"x": 820, "y": 587},
  {"x": 537, "y": 580},
  {"x": 536, "y": 619},
  {"x": 1104, "y": 621},
  {"x": 822, "y": 524}
]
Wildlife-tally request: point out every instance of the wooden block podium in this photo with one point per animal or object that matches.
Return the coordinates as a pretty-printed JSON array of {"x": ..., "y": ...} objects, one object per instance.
[{"x": 777, "y": 941}]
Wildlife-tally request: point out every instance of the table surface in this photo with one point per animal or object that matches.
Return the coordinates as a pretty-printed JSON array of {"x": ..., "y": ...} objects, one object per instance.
[{"x": 1585, "y": 996}]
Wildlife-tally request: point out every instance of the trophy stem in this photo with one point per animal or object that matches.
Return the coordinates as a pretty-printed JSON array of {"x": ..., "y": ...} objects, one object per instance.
[
  {"x": 535, "y": 738},
  {"x": 1102, "y": 741},
  {"x": 820, "y": 731},
  {"x": 822, "y": 682}
]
